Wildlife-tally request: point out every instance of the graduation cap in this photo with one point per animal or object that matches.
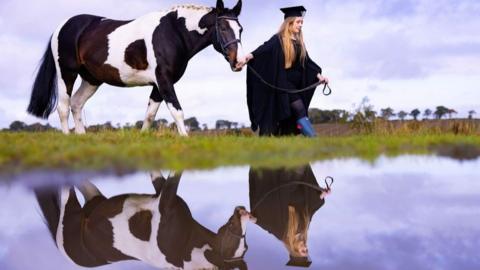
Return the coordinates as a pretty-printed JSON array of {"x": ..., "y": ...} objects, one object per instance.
[
  {"x": 298, "y": 11},
  {"x": 299, "y": 261}
]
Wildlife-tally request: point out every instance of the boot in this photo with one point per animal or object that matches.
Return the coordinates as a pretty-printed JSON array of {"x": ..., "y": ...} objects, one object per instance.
[{"x": 306, "y": 127}]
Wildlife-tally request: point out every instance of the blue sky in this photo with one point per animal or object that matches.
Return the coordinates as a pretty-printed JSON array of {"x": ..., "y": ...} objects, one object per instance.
[{"x": 403, "y": 54}]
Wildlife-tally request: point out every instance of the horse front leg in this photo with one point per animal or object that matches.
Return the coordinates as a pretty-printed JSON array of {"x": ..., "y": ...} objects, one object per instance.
[
  {"x": 152, "y": 109},
  {"x": 167, "y": 92}
]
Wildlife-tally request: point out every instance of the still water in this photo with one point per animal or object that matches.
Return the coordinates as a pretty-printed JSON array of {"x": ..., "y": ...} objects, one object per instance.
[{"x": 403, "y": 213}]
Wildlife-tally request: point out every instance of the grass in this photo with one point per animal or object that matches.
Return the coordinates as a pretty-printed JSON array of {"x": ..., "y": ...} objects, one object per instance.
[{"x": 133, "y": 150}]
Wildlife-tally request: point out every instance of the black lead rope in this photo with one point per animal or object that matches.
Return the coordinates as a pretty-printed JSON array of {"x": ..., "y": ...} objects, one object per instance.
[
  {"x": 329, "y": 186},
  {"x": 326, "y": 88}
]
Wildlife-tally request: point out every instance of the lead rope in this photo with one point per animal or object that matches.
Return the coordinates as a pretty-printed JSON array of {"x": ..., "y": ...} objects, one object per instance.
[
  {"x": 329, "y": 185},
  {"x": 326, "y": 89}
]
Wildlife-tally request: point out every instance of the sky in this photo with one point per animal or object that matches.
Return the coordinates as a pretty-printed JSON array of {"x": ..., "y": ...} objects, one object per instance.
[{"x": 403, "y": 54}]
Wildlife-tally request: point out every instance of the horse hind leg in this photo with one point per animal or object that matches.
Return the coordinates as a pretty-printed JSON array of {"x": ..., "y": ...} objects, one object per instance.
[
  {"x": 84, "y": 92},
  {"x": 152, "y": 109},
  {"x": 66, "y": 66}
]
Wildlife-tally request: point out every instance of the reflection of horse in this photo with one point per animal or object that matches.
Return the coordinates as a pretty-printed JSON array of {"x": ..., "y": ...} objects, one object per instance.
[
  {"x": 151, "y": 50},
  {"x": 284, "y": 202},
  {"x": 157, "y": 229}
]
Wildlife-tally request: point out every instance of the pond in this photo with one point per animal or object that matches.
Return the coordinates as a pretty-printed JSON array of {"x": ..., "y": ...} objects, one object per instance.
[{"x": 409, "y": 212}]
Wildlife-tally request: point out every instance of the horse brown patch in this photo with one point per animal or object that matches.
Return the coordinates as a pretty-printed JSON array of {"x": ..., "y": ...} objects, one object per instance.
[
  {"x": 140, "y": 225},
  {"x": 136, "y": 55}
]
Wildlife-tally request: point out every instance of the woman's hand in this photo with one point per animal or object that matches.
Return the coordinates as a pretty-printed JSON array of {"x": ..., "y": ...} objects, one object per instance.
[
  {"x": 248, "y": 57},
  {"x": 322, "y": 79}
]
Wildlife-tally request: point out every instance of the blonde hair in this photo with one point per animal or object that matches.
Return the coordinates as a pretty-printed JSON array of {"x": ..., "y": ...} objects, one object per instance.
[
  {"x": 285, "y": 33},
  {"x": 290, "y": 238}
]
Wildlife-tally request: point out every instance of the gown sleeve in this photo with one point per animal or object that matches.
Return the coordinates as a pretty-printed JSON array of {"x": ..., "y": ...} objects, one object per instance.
[
  {"x": 312, "y": 65},
  {"x": 266, "y": 47}
]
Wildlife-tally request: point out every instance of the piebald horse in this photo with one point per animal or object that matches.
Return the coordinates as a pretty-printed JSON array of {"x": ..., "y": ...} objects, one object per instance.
[
  {"x": 151, "y": 50},
  {"x": 157, "y": 229}
]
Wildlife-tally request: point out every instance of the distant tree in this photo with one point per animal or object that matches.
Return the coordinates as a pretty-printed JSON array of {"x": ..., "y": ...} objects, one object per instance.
[
  {"x": 161, "y": 123},
  {"x": 414, "y": 113},
  {"x": 192, "y": 124},
  {"x": 17, "y": 126},
  {"x": 223, "y": 124},
  {"x": 471, "y": 113},
  {"x": 234, "y": 125},
  {"x": 387, "y": 113},
  {"x": 204, "y": 127},
  {"x": 402, "y": 115},
  {"x": 427, "y": 113},
  {"x": 451, "y": 112},
  {"x": 440, "y": 112}
]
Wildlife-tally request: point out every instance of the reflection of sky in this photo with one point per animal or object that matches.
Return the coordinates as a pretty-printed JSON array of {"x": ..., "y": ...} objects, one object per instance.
[{"x": 402, "y": 213}]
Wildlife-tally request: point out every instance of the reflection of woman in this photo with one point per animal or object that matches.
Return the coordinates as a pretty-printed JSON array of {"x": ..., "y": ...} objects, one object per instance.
[
  {"x": 282, "y": 61},
  {"x": 284, "y": 202}
]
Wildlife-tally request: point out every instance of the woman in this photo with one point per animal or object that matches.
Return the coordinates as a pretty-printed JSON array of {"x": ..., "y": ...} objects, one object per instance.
[
  {"x": 284, "y": 202},
  {"x": 283, "y": 62}
]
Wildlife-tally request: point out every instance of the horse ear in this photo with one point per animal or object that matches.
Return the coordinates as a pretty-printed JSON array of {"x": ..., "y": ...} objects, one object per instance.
[
  {"x": 238, "y": 8},
  {"x": 220, "y": 6}
]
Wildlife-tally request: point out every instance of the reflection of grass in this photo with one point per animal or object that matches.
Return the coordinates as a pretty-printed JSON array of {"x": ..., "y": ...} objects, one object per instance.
[{"x": 125, "y": 150}]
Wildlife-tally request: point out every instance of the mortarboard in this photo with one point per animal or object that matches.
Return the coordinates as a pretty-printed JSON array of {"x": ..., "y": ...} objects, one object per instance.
[
  {"x": 299, "y": 261},
  {"x": 298, "y": 11}
]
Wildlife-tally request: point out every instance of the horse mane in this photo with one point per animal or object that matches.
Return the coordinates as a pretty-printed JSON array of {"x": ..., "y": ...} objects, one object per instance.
[{"x": 191, "y": 7}]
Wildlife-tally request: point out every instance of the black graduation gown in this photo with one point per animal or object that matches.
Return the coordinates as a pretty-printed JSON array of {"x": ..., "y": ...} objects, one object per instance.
[
  {"x": 270, "y": 197},
  {"x": 268, "y": 108}
]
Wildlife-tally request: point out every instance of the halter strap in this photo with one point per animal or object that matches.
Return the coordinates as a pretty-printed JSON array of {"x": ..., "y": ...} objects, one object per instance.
[{"x": 224, "y": 45}]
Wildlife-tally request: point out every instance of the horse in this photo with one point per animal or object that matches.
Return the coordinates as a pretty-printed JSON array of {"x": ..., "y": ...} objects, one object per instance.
[
  {"x": 157, "y": 229},
  {"x": 153, "y": 49}
]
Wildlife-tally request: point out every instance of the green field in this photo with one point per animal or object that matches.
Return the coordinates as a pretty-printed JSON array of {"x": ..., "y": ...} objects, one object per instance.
[{"x": 133, "y": 150}]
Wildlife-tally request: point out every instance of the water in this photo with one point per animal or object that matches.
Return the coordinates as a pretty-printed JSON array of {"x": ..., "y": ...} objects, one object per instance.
[{"x": 402, "y": 213}]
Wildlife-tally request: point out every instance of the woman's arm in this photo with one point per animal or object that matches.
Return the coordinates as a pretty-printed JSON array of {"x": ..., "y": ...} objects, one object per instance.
[{"x": 313, "y": 66}]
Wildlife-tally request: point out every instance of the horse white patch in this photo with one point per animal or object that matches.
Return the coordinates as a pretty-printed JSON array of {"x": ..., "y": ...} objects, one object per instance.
[
  {"x": 143, "y": 28},
  {"x": 124, "y": 241},
  {"x": 241, "y": 246},
  {"x": 118, "y": 41},
  {"x": 178, "y": 116},
  {"x": 236, "y": 30},
  {"x": 198, "y": 259},
  {"x": 192, "y": 18}
]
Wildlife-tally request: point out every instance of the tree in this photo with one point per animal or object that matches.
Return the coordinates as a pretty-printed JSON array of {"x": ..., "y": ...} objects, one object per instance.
[
  {"x": 192, "y": 124},
  {"x": 427, "y": 113},
  {"x": 402, "y": 115},
  {"x": 471, "y": 113},
  {"x": 387, "y": 113},
  {"x": 17, "y": 126},
  {"x": 440, "y": 112},
  {"x": 414, "y": 113},
  {"x": 450, "y": 112},
  {"x": 223, "y": 124}
]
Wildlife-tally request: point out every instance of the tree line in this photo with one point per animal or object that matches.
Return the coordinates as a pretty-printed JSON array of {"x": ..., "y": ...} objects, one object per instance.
[{"x": 316, "y": 116}]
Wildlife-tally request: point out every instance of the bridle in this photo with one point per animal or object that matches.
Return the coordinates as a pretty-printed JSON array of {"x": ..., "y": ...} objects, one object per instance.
[
  {"x": 224, "y": 44},
  {"x": 238, "y": 236}
]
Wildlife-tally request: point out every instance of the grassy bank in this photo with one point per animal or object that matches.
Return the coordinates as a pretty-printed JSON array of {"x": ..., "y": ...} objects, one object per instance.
[{"x": 130, "y": 150}]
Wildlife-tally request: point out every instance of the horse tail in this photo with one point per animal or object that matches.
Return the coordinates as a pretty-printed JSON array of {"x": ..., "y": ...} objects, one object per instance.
[
  {"x": 44, "y": 91},
  {"x": 49, "y": 202}
]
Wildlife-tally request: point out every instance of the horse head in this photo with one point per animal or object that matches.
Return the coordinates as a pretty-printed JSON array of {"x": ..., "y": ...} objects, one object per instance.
[
  {"x": 228, "y": 33},
  {"x": 230, "y": 243}
]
